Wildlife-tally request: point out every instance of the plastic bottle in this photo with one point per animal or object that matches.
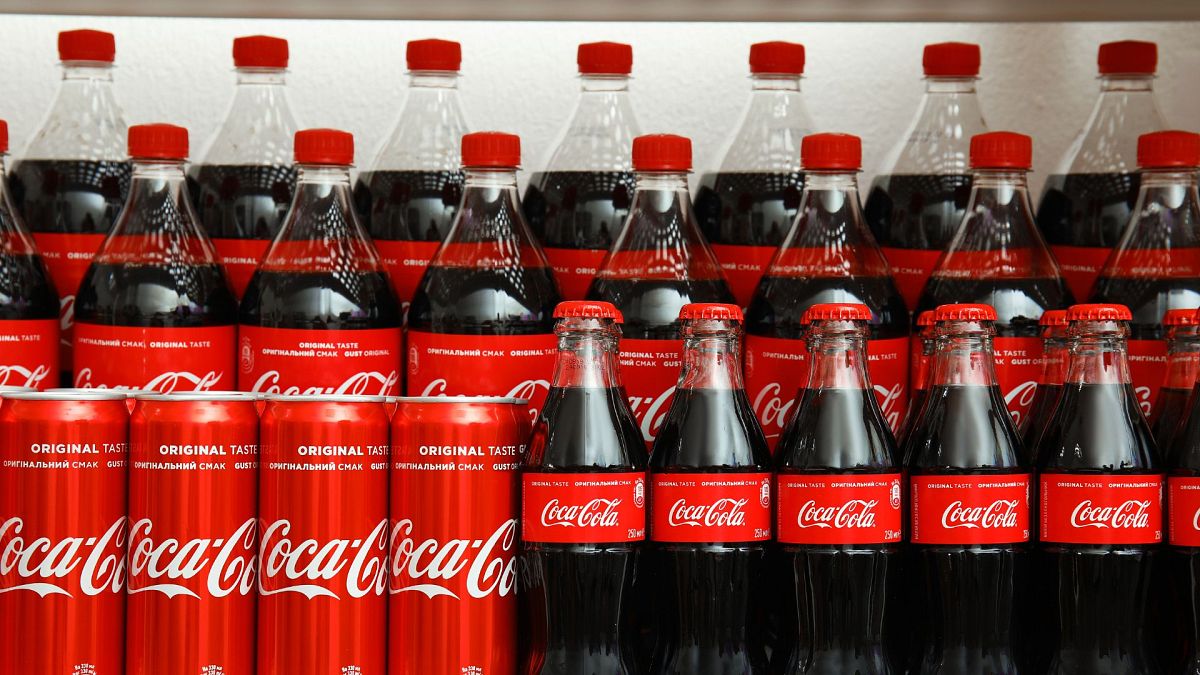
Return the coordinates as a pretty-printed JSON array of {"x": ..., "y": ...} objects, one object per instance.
[
  {"x": 1183, "y": 367},
  {"x": 1055, "y": 351}
]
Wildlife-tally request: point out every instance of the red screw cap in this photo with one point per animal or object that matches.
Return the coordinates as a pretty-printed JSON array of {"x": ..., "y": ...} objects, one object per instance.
[
  {"x": 964, "y": 313},
  {"x": 491, "y": 149},
  {"x": 330, "y": 147},
  {"x": 433, "y": 54},
  {"x": 1053, "y": 317},
  {"x": 1179, "y": 317},
  {"x": 1001, "y": 150},
  {"x": 951, "y": 59},
  {"x": 662, "y": 152},
  {"x": 604, "y": 58},
  {"x": 86, "y": 44},
  {"x": 260, "y": 51},
  {"x": 1168, "y": 149},
  {"x": 3, "y": 136},
  {"x": 712, "y": 311},
  {"x": 837, "y": 311},
  {"x": 158, "y": 141},
  {"x": 831, "y": 152},
  {"x": 587, "y": 309},
  {"x": 1128, "y": 57},
  {"x": 925, "y": 319},
  {"x": 1097, "y": 312},
  {"x": 778, "y": 57}
]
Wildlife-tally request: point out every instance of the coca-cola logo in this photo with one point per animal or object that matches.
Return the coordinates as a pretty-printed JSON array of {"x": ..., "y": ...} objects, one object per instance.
[
  {"x": 1144, "y": 397},
  {"x": 1000, "y": 514},
  {"x": 1132, "y": 514},
  {"x": 159, "y": 566},
  {"x": 164, "y": 383},
  {"x": 19, "y": 376},
  {"x": 246, "y": 356},
  {"x": 1019, "y": 399},
  {"x": 771, "y": 409},
  {"x": 854, "y": 513},
  {"x": 528, "y": 390},
  {"x": 66, "y": 317},
  {"x": 724, "y": 512},
  {"x": 594, "y": 513},
  {"x": 430, "y": 566},
  {"x": 652, "y": 412},
  {"x": 372, "y": 383},
  {"x": 889, "y": 402},
  {"x": 308, "y": 566},
  {"x": 99, "y": 561}
]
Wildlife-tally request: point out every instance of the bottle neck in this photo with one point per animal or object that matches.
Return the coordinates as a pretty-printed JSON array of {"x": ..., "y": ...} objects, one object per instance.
[
  {"x": 260, "y": 125},
  {"x": 1056, "y": 354},
  {"x": 938, "y": 139},
  {"x": 490, "y": 181},
  {"x": 1098, "y": 353},
  {"x": 157, "y": 225},
  {"x": 837, "y": 350},
  {"x": 774, "y": 83},
  {"x": 430, "y": 127},
  {"x": 830, "y": 238},
  {"x": 321, "y": 209},
  {"x": 85, "y": 121},
  {"x": 1168, "y": 190},
  {"x": 1125, "y": 109},
  {"x": 830, "y": 190},
  {"x": 963, "y": 355},
  {"x": 587, "y": 354},
  {"x": 999, "y": 213},
  {"x": 711, "y": 355},
  {"x": 599, "y": 134},
  {"x": 771, "y": 127}
]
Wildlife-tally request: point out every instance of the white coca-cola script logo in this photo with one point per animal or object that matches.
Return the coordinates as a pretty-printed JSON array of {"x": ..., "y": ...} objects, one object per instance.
[
  {"x": 1132, "y": 514},
  {"x": 66, "y": 318},
  {"x": 430, "y": 566},
  {"x": 771, "y": 409},
  {"x": 855, "y": 513},
  {"x": 651, "y": 412},
  {"x": 164, "y": 383},
  {"x": 724, "y": 512},
  {"x": 595, "y": 513},
  {"x": 158, "y": 565},
  {"x": 20, "y": 376},
  {"x": 1001, "y": 513},
  {"x": 527, "y": 390},
  {"x": 889, "y": 402},
  {"x": 1142, "y": 394},
  {"x": 308, "y": 566},
  {"x": 1019, "y": 399},
  {"x": 372, "y": 383},
  {"x": 99, "y": 561}
]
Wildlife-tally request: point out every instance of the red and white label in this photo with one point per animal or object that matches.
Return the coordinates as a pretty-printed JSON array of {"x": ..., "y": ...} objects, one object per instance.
[
  {"x": 518, "y": 366},
  {"x": 29, "y": 353},
  {"x": 1095, "y": 509},
  {"x": 710, "y": 507},
  {"x": 67, "y": 259},
  {"x": 955, "y": 509},
  {"x": 1018, "y": 370},
  {"x": 650, "y": 371},
  {"x": 405, "y": 262},
  {"x": 1183, "y": 500},
  {"x": 158, "y": 359},
  {"x": 911, "y": 268},
  {"x": 1147, "y": 370},
  {"x": 743, "y": 267},
  {"x": 239, "y": 258},
  {"x": 838, "y": 509},
  {"x": 1080, "y": 265},
  {"x": 583, "y": 508},
  {"x": 301, "y": 361},
  {"x": 574, "y": 269}
]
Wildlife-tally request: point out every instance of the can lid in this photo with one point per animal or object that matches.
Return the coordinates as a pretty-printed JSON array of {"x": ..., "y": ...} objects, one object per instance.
[
  {"x": 1099, "y": 312},
  {"x": 198, "y": 396},
  {"x": 1168, "y": 149},
  {"x": 260, "y": 51},
  {"x": 1053, "y": 317},
  {"x": 495, "y": 149},
  {"x": 604, "y": 58},
  {"x": 158, "y": 141},
  {"x": 1179, "y": 317},
  {"x": 329, "y": 147},
  {"x": 459, "y": 400},
  {"x": 86, "y": 44},
  {"x": 662, "y": 152},
  {"x": 951, "y": 59},
  {"x": 588, "y": 309},
  {"x": 831, "y": 152},
  {"x": 323, "y": 398},
  {"x": 433, "y": 54},
  {"x": 711, "y": 311},
  {"x": 777, "y": 57},
  {"x": 69, "y": 395},
  {"x": 964, "y": 312},
  {"x": 1132, "y": 57},
  {"x": 837, "y": 311},
  {"x": 1001, "y": 150}
]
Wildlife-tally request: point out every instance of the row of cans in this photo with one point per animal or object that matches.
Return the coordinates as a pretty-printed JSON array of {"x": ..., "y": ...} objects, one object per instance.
[{"x": 220, "y": 533}]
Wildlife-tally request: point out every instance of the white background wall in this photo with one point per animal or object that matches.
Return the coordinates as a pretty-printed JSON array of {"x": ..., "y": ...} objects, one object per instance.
[{"x": 690, "y": 78}]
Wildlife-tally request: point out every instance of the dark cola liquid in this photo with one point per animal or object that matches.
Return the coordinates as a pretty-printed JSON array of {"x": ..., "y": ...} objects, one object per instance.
[
  {"x": 1148, "y": 298},
  {"x": 1169, "y": 409},
  {"x": 781, "y": 302},
  {"x": 408, "y": 205},
  {"x": 26, "y": 291},
  {"x": 472, "y": 301},
  {"x": 1087, "y": 209},
  {"x": 1180, "y": 617},
  {"x": 917, "y": 211},
  {"x": 651, "y": 307},
  {"x": 320, "y": 301},
  {"x": 1019, "y": 303},
  {"x": 242, "y": 201},
  {"x": 748, "y": 208},
  {"x": 153, "y": 295},
  {"x": 69, "y": 196},
  {"x": 578, "y": 209},
  {"x": 1040, "y": 411}
]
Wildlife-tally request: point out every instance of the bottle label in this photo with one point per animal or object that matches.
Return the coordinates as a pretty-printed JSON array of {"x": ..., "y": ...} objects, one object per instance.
[
  {"x": 911, "y": 268},
  {"x": 67, "y": 259},
  {"x": 302, "y": 361},
  {"x": 1183, "y": 501},
  {"x": 574, "y": 269},
  {"x": 1080, "y": 265},
  {"x": 839, "y": 509},
  {"x": 1147, "y": 369},
  {"x": 887, "y": 366},
  {"x": 158, "y": 359},
  {"x": 957, "y": 509},
  {"x": 743, "y": 267},
  {"x": 583, "y": 508},
  {"x": 1096, "y": 509},
  {"x": 29, "y": 353},
  {"x": 405, "y": 262},
  {"x": 650, "y": 371},
  {"x": 710, "y": 507},
  {"x": 517, "y": 366},
  {"x": 1018, "y": 370},
  {"x": 239, "y": 258}
]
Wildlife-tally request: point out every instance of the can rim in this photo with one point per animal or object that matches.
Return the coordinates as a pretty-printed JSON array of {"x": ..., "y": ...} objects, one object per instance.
[
  {"x": 457, "y": 399},
  {"x": 67, "y": 395},
  {"x": 13, "y": 389},
  {"x": 199, "y": 396},
  {"x": 325, "y": 398},
  {"x": 127, "y": 393}
]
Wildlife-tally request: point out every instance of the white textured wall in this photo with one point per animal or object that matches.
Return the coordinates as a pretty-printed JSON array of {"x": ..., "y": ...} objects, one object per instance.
[{"x": 690, "y": 78}]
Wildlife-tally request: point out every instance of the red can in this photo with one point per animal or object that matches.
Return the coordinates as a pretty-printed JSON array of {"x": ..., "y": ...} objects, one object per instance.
[
  {"x": 63, "y": 459},
  {"x": 323, "y": 512},
  {"x": 455, "y": 507},
  {"x": 193, "y": 506}
]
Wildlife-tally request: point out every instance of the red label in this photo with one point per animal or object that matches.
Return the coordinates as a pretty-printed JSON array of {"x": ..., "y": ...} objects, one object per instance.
[
  {"x": 405, "y": 262},
  {"x": 1147, "y": 369},
  {"x": 301, "y": 361},
  {"x": 1018, "y": 370},
  {"x": 1154, "y": 263},
  {"x": 839, "y": 509},
  {"x": 1183, "y": 501},
  {"x": 1080, "y": 265},
  {"x": 650, "y": 371},
  {"x": 953, "y": 509},
  {"x": 911, "y": 268},
  {"x": 1091, "y": 509},
  {"x": 583, "y": 508},
  {"x": 29, "y": 353},
  {"x": 743, "y": 267},
  {"x": 240, "y": 257},
  {"x": 574, "y": 268},
  {"x": 710, "y": 507},
  {"x": 519, "y": 366},
  {"x": 67, "y": 259},
  {"x": 159, "y": 359}
]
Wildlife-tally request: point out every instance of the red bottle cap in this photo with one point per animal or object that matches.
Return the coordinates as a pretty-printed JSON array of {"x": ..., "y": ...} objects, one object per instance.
[
  {"x": 604, "y": 58},
  {"x": 3, "y": 136},
  {"x": 1179, "y": 317},
  {"x": 260, "y": 51},
  {"x": 831, "y": 152},
  {"x": 158, "y": 141},
  {"x": 662, "y": 152},
  {"x": 964, "y": 313},
  {"x": 951, "y": 59},
  {"x": 587, "y": 309},
  {"x": 433, "y": 54},
  {"x": 491, "y": 149},
  {"x": 1001, "y": 150},
  {"x": 925, "y": 319},
  {"x": 86, "y": 45},
  {"x": 837, "y": 311},
  {"x": 1098, "y": 312},
  {"x": 330, "y": 147},
  {"x": 777, "y": 57},
  {"x": 1168, "y": 149},
  {"x": 1053, "y": 317},
  {"x": 1128, "y": 57},
  {"x": 712, "y": 311}
]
